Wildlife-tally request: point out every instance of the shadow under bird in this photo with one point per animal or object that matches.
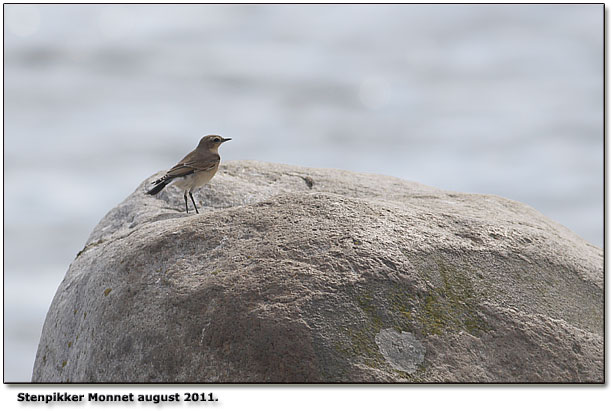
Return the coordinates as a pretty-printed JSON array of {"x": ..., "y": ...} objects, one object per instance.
[{"x": 194, "y": 170}]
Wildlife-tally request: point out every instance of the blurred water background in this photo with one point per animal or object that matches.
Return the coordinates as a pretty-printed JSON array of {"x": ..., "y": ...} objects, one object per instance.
[{"x": 502, "y": 99}]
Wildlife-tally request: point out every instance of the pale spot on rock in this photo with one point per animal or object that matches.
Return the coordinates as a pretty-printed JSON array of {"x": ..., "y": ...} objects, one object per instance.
[{"x": 402, "y": 350}]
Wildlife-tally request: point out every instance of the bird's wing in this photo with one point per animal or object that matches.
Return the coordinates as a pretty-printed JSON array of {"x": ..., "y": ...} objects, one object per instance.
[
  {"x": 192, "y": 163},
  {"x": 198, "y": 165}
]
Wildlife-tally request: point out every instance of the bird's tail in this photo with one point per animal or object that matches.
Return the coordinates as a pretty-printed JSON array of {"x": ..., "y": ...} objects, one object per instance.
[{"x": 159, "y": 185}]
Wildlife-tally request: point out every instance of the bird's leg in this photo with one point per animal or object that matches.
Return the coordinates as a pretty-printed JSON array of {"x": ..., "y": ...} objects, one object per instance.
[
  {"x": 190, "y": 194},
  {"x": 185, "y": 197}
]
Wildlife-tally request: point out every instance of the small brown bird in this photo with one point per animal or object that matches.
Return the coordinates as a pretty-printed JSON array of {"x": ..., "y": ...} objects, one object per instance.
[{"x": 194, "y": 170}]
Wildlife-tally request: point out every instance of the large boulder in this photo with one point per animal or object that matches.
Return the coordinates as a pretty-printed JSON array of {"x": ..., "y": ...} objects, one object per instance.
[{"x": 293, "y": 274}]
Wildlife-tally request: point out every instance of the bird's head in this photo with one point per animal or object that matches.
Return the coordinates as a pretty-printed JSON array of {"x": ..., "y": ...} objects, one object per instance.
[{"x": 212, "y": 142}]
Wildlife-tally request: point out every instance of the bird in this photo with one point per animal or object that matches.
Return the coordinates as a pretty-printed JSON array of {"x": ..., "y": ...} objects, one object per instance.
[{"x": 194, "y": 170}]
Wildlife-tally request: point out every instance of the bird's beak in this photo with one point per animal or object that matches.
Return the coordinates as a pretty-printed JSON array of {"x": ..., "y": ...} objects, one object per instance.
[{"x": 225, "y": 139}]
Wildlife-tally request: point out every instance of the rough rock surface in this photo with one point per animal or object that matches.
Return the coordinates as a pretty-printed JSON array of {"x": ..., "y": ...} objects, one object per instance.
[{"x": 293, "y": 274}]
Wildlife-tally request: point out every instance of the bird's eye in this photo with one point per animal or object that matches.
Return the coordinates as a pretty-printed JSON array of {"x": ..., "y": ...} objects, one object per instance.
[{"x": 216, "y": 140}]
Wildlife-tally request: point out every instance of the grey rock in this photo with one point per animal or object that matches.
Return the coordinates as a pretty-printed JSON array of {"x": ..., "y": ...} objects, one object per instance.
[
  {"x": 294, "y": 274},
  {"x": 402, "y": 350}
]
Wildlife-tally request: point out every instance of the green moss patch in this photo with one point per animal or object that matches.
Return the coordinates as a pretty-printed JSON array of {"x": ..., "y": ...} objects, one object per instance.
[{"x": 453, "y": 305}]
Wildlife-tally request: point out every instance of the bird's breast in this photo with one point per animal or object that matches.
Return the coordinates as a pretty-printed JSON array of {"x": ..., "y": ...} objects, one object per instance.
[{"x": 195, "y": 180}]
